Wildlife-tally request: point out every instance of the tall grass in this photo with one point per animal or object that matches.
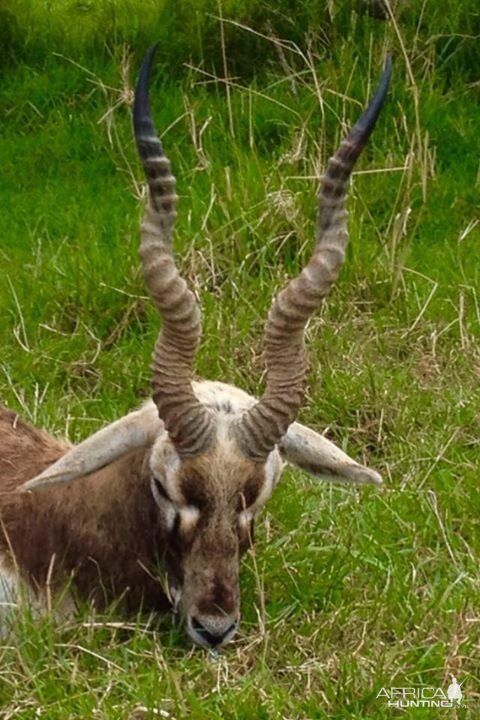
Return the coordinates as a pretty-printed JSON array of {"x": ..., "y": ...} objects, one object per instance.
[
  {"x": 30, "y": 30},
  {"x": 348, "y": 590}
]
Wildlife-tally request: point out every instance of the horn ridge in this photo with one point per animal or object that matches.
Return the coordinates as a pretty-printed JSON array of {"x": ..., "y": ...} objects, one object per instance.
[
  {"x": 262, "y": 427},
  {"x": 187, "y": 421}
]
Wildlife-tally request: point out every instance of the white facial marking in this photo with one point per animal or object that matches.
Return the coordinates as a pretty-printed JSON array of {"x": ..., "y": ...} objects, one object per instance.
[
  {"x": 188, "y": 517},
  {"x": 245, "y": 518},
  {"x": 188, "y": 514},
  {"x": 218, "y": 395}
]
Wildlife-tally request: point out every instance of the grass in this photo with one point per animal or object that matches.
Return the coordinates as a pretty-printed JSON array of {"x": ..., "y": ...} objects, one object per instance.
[{"x": 349, "y": 590}]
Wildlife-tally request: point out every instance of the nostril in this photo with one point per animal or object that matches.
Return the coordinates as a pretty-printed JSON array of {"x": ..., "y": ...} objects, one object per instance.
[{"x": 213, "y": 635}]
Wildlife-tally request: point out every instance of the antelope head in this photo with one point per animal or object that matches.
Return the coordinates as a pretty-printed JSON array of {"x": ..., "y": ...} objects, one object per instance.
[{"x": 213, "y": 454}]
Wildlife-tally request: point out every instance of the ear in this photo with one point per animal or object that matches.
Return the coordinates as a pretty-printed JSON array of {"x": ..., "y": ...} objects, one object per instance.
[
  {"x": 135, "y": 430},
  {"x": 310, "y": 451}
]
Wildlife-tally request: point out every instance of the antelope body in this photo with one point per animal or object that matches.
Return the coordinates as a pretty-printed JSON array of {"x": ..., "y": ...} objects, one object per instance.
[{"x": 158, "y": 507}]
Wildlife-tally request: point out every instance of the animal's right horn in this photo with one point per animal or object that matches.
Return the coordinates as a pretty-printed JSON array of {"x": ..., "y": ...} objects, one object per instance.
[
  {"x": 263, "y": 426},
  {"x": 188, "y": 422}
]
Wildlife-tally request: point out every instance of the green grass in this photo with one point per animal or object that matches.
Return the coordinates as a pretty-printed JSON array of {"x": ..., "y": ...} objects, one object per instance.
[{"x": 349, "y": 589}]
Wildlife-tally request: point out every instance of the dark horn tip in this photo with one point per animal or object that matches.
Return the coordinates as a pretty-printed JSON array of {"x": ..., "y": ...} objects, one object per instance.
[
  {"x": 366, "y": 122},
  {"x": 142, "y": 122}
]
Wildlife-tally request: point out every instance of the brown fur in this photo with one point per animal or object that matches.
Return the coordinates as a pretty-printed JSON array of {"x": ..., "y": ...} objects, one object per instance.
[
  {"x": 106, "y": 532},
  {"x": 205, "y": 559},
  {"x": 111, "y": 529},
  {"x": 205, "y": 488},
  {"x": 111, "y": 552}
]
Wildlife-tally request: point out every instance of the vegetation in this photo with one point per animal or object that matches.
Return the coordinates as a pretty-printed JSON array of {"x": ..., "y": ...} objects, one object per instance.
[{"x": 349, "y": 589}]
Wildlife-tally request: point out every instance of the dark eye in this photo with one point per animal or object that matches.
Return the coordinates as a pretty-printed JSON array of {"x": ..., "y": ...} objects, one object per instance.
[
  {"x": 161, "y": 490},
  {"x": 176, "y": 524},
  {"x": 246, "y": 499},
  {"x": 242, "y": 502}
]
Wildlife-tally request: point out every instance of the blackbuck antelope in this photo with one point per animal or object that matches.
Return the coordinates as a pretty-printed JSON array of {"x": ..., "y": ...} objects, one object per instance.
[{"x": 158, "y": 507}]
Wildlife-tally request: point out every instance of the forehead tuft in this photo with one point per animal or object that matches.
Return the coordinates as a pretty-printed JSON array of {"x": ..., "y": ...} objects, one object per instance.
[{"x": 205, "y": 479}]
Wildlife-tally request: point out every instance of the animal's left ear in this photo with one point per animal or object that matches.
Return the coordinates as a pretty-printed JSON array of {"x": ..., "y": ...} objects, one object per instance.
[{"x": 310, "y": 451}]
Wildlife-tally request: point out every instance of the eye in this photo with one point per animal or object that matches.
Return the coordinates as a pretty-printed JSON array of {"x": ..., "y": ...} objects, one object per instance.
[
  {"x": 175, "y": 525},
  {"x": 169, "y": 513},
  {"x": 246, "y": 500},
  {"x": 160, "y": 489},
  {"x": 241, "y": 503},
  {"x": 159, "y": 493}
]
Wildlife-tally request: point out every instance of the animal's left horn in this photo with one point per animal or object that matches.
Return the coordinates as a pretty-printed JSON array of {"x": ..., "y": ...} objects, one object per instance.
[
  {"x": 187, "y": 421},
  {"x": 263, "y": 426}
]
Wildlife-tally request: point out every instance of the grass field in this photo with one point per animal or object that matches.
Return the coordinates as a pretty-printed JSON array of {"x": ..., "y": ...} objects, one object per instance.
[{"x": 349, "y": 590}]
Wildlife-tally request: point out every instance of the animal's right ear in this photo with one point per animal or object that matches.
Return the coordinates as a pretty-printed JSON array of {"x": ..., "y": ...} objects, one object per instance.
[
  {"x": 136, "y": 430},
  {"x": 312, "y": 452}
]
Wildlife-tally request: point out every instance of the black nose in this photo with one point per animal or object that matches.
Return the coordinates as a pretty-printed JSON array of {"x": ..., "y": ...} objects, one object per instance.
[{"x": 214, "y": 632}]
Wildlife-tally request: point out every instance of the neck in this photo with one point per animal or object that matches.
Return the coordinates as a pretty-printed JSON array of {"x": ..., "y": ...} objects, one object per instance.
[{"x": 101, "y": 530}]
